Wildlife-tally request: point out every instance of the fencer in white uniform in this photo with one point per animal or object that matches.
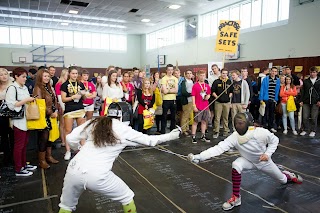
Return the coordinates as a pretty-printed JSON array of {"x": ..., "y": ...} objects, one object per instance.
[
  {"x": 256, "y": 146},
  {"x": 91, "y": 167}
]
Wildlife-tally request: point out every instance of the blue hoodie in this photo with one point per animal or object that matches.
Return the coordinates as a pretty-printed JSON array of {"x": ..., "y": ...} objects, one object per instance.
[{"x": 264, "y": 91}]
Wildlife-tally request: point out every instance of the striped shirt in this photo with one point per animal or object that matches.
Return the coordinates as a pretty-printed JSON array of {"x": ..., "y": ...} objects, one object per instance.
[{"x": 272, "y": 88}]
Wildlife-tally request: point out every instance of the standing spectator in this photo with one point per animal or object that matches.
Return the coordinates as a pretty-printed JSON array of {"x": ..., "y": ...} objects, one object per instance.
[
  {"x": 244, "y": 76},
  {"x": 295, "y": 78},
  {"x": 52, "y": 71},
  {"x": 137, "y": 79},
  {"x": 221, "y": 87},
  {"x": 30, "y": 80},
  {"x": 255, "y": 103},
  {"x": 186, "y": 101},
  {"x": 146, "y": 100},
  {"x": 169, "y": 88},
  {"x": 128, "y": 88},
  {"x": 6, "y": 134},
  {"x": 158, "y": 112},
  {"x": 61, "y": 106},
  {"x": 286, "y": 91},
  {"x": 310, "y": 100},
  {"x": 265, "y": 71},
  {"x": 112, "y": 89},
  {"x": 99, "y": 88},
  {"x": 43, "y": 90},
  {"x": 177, "y": 74},
  {"x": 104, "y": 79},
  {"x": 200, "y": 96},
  {"x": 21, "y": 133},
  {"x": 72, "y": 97},
  {"x": 240, "y": 95},
  {"x": 269, "y": 95},
  {"x": 119, "y": 75},
  {"x": 278, "y": 116},
  {"x": 91, "y": 94},
  {"x": 214, "y": 75}
]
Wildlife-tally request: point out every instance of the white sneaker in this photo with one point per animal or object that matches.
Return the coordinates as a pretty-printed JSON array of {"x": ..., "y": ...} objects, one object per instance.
[
  {"x": 232, "y": 202},
  {"x": 30, "y": 167},
  {"x": 285, "y": 132},
  {"x": 312, "y": 134},
  {"x": 24, "y": 173},
  {"x": 273, "y": 130},
  {"x": 303, "y": 133},
  {"x": 67, "y": 156},
  {"x": 216, "y": 135},
  {"x": 294, "y": 132},
  {"x": 293, "y": 177}
]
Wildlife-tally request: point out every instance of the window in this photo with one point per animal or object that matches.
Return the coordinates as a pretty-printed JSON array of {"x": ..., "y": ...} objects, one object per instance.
[
  {"x": 68, "y": 38},
  {"x": 26, "y": 36},
  {"x": 245, "y": 15},
  {"x": 284, "y": 6},
  {"x": 15, "y": 35},
  {"x": 77, "y": 39},
  {"x": 95, "y": 41},
  {"x": 86, "y": 40},
  {"x": 235, "y": 13},
  {"x": 118, "y": 42},
  {"x": 47, "y": 37},
  {"x": 104, "y": 41},
  {"x": 223, "y": 15},
  {"x": 58, "y": 38},
  {"x": 5, "y": 36},
  {"x": 37, "y": 37},
  {"x": 179, "y": 33},
  {"x": 256, "y": 13},
  {"x": 269, "y": 11}
]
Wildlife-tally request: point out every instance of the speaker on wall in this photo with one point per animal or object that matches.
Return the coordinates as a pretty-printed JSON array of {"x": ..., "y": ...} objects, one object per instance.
[{"x": 191, "y": 27}]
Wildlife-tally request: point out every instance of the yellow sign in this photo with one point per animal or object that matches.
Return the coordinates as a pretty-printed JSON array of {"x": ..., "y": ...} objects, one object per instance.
[
  {"x": 318, "y": 68},
  {"x": 95, "y": 74},
  {"x": 228, "y": 36},
  {"x": 298, "y": 68},
  {"x": 256, "y": 70}
]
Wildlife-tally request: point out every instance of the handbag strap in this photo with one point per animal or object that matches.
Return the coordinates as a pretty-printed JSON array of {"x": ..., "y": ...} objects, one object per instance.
[{"x": 15, "y": 89}]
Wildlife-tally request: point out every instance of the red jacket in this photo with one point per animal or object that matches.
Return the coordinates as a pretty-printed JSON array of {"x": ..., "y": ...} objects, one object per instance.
[{"x": 285, "y": 94}]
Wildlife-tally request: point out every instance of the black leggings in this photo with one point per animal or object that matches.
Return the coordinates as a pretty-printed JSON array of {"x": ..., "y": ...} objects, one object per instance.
[
  {"x": 43, "y": 143},
  {"x": 140, "y": 124},
  {"x": 158, "y": 120},
  {"x": 6, "y": 143}
]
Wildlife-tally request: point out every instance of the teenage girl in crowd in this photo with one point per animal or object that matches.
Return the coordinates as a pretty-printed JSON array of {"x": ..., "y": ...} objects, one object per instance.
[
  {"x": 112, "y": 90},
  {"x": 6, "y": 144},
  {"x": 91, "y": 94},
  {"x": 43, "y": 90},
  {"x": 158, "y": 113},
  {"x": 72, "y": 92},
  {"x": 61, "y": 106},
  {"x": 146, "y": 100},
  {"x": 128, "y": 88},
  {"x": 99, "y": 88},
  {"x": 287, "y": 90},
  {"x": 17, "y": 96}
]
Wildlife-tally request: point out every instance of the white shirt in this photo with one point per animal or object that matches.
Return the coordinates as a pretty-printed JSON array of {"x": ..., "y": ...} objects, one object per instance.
[
  {"x": 313, "y": 80},
  {"x": 101, "y": 159},
  {"x": 11, "y": 101},
  {"x": 251, "y": 150},
  {"x": 112, "y": 92}
]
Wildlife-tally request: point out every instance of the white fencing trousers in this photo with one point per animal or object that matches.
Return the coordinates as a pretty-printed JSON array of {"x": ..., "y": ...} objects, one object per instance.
[
  {"x": 77, "y": 180},
  {"x": 270, "y": 168}
]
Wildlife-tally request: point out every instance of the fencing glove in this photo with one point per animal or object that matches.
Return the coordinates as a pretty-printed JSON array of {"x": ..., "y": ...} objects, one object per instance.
[{"x": 194, "y": 158}]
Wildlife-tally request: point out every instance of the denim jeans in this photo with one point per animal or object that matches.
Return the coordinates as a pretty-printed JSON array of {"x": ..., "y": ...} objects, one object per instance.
[{"x": 284, "y": 117}]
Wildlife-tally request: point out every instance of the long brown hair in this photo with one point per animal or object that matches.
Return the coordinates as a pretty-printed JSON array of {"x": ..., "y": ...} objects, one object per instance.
[
  {"x": 40, "y": 84},
  {"x": 291, "y": 83},
  {"x": 109, "y": 78},
  {"x": 144, "y": 90},
  {"x": 102, "y": 132}
]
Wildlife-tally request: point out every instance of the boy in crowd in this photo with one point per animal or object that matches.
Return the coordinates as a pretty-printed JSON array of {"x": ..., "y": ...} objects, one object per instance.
[
  {"x": 200, "y": 96},
  {"x": 169, "y": 89},
  {"x": 221, "y": 87}
]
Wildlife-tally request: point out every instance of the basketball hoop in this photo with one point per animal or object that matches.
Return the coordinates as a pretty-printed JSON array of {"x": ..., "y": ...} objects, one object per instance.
[{"x": 22, "y": 60}]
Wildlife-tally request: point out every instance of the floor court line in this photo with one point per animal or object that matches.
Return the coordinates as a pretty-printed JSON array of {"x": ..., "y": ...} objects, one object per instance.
[
  {"x": 28, "y": 201},
  {"x": 174, "y": 204},
  {"x": 297, "y": 150}
]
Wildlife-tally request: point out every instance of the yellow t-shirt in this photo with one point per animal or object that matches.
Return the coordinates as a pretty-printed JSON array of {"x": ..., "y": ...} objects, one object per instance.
[{"x": 169, "y": 82}]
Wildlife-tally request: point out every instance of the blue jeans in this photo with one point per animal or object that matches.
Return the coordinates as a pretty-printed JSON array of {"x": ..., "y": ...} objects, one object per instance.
[{"x": 284, "y": 117}]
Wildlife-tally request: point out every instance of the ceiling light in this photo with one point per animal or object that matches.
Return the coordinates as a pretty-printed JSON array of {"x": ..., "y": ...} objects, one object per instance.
[
  {"x": 145, "y": 20},
  {"x": 64, "y": 24},
  {"x": 73, "y": 11},
  {"x": 174, "y": 6}
]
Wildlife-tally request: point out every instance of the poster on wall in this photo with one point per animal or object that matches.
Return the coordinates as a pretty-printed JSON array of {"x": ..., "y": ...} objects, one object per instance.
[
  {"x": 210, "y": 72},
  {"x": 147, "y": 69},
  {"x": 298, "y": 68},
  {"x": 228, "y": 36},
  {"x": 256, "y": 70}
]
